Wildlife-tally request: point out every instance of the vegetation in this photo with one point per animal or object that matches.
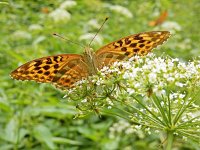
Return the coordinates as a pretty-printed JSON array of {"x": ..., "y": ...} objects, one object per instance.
[{"x": 36, "y": 116}]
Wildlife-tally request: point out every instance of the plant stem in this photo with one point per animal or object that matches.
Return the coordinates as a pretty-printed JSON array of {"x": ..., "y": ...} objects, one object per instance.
[{"x": 170, "y": 138}]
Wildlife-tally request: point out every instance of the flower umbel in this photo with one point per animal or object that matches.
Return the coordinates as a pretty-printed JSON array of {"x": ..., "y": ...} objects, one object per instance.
[{"x": 155, "y": 93}]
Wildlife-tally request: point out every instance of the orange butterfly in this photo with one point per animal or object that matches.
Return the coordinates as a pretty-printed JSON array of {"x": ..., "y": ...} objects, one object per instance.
[
  {"x": 160, "y": 19},
  {"x": 65, "y": 69}
]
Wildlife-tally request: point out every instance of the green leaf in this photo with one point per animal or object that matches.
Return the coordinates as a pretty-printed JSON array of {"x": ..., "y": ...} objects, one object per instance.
[
  {"x": 43, "y": 134},
  {"x": 11, "y": 130},
  {"x": 4, "y": 105}
]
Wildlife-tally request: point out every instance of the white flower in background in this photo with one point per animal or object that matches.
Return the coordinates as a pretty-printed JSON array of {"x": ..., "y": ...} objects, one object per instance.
[
  {"x": 88, "y": 37},
  {"x": 171, "y": 26},
  {"x": 38, "y": 40},
  {"x": 60, "y": 15},
  {"x": 120, "y": 9},
  {"x": 35, "y": 27},
  {"x": 21, "y": 35},
  {"x": 68, "y": 4},
  {"x": 122, "y": 126},
  {"x": 93, "y": 23}
]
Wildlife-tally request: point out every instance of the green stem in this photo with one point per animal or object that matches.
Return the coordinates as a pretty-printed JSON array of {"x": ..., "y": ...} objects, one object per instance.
[{"x": 170, "y": 138}]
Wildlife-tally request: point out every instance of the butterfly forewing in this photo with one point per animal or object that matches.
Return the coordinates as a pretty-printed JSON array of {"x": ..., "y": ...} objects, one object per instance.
[
  {"x": 137, "y": 44},
  {"x": 47, "y": 69}
]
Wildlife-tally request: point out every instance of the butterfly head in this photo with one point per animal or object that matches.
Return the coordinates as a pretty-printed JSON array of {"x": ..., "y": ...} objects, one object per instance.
[{"x": 89, "y": 52}]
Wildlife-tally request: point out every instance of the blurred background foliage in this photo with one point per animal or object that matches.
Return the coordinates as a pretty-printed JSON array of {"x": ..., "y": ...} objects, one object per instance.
[{"x": 35, "y": 116}]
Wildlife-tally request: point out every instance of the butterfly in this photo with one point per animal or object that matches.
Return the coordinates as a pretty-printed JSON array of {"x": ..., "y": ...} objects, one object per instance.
[
  {"x": 162, "y": 18},
  {"x": 66, "y": 69}
]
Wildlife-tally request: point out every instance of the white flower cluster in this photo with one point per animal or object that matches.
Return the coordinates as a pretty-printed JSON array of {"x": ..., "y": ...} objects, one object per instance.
[
  {"x": 119, "y": 128},
  {"x": 160, "y": 91},
  {"x": 120, "y": 9},
  {"x": 155, "y": 74},
  {"x": 61, "y": 14}
]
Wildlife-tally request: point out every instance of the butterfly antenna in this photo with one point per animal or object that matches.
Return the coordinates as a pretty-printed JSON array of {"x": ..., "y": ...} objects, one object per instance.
[
  {"x": 64, "y": 38},
  {"x": 98, "y": 31}
]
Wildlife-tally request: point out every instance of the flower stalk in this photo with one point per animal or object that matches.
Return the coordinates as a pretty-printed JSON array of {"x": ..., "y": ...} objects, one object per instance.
[{"x": 170, "y": 138}]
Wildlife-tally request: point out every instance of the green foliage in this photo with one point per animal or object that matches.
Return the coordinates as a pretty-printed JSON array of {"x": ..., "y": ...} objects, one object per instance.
[{"x": 34, "y": 116}]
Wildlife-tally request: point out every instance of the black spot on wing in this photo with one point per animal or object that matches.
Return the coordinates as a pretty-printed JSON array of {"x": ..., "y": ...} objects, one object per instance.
[
  {"x": 127, "y": 41},
  {"x": 141, "y": 45},
  {"x": 133, "y": 45},
  {"x": 136, "y": 50},
  {"x": 124, "y": 49},
  {"x": 56, "y": 66},
  {"x": 47, "y": 73},
  {"x": 49, "y": 61},
  {"x": 127, "y": 53},
  {"x": 46, "y": 67},
  {"x": 120, "y": 42},
  {"x": 55, "y": 58},
  {"x": 38, "y": 62}
]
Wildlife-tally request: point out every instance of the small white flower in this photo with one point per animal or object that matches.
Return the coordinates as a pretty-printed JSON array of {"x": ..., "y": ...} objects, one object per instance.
[
  {"x": 182, "y": 102},
  {"x": 176, "y": 101},
  {"x": 148, "y": 130},
  {"x": 93, "y": 23},
  {"x": 137, "y": 85},
  {"x": 163, "y": 92},
  {"x": 181, "y": 65},
  {"x": 181, "y": 96},
  {"x": 68, "y": 4},
  {"x": 175, "y": 60},
  {"x": 171, "y": 26},
  {"x": 109, "y": 107},
  {"x": 110, "y": 102},
  {"x": 157, "y": 131},
  {"x": 60, "y": 15},
  {"x": 180, "y": 84},
  {"x": 184, "y": 138},
  {"x": 120, "y": 9},
  {"x": 152, "y": 77},
  {"x": 138, "y": 127},
  {"x": 126, "y": 75},
  {"x": 162, "y": 103},
  {"x": 35, "y": 27},
  {"x": 129, "y": 131},
  {"x": 88, "y": 37},
  {"x": 170, "y": 79},
  {"x": 21, "y": 35},
  {"x": 175, "y": 133},
  {"x": 99, "y": 81},
  {"x": 84, "y": 100},
  {"x": 130, "y": 91},
  {"x": 38, "y": 40}
]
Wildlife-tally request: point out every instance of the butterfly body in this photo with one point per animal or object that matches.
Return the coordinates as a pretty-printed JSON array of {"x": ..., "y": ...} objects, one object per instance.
[
  {"x": 65, "y": 69},
  {"x": 91, "y": 61}
]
